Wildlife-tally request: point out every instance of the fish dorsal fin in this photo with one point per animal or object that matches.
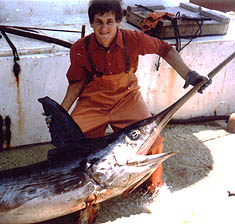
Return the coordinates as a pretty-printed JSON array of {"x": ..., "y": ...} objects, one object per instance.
[{"x": 62, "y": 128}]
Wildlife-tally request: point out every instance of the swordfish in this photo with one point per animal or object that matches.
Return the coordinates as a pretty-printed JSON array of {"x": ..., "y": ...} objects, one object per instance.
[{"x": 80, "y": 171}]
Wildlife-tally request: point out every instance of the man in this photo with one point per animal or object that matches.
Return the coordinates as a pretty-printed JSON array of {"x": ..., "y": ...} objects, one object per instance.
[{"x": 102, "y": 76}]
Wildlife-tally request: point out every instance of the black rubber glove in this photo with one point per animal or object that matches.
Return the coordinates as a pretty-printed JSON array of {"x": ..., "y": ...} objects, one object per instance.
[{"x": 193, "y": 78}]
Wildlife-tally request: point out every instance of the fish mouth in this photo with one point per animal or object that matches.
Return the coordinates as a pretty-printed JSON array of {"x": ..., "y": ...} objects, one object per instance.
[{"x": 149, "y": 160}]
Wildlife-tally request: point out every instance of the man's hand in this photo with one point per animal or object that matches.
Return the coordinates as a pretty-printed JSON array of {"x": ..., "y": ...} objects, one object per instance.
[{"x": 193, "y": 78}]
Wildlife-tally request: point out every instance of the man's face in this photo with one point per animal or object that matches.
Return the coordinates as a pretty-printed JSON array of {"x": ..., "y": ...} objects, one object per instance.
[{"x": 105, "y": 28}]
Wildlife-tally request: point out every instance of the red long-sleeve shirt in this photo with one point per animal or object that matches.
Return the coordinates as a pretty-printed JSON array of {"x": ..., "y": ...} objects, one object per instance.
[{"x": 112, "y": 61}]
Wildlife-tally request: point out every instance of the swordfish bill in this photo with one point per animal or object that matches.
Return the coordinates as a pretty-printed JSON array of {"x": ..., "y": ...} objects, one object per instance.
[
  {"x": 169, "y": 112},
  {"x": 79, "y": 171}
]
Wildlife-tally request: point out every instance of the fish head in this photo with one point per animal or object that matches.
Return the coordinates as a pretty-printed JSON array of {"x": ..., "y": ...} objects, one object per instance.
[
  {"x": 119, "y": 171},
  {"x": 122, "y": 166}
]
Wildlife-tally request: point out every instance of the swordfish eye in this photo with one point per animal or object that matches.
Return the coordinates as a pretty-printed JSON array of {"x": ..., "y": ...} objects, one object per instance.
[{"x": 134, "y": 134}]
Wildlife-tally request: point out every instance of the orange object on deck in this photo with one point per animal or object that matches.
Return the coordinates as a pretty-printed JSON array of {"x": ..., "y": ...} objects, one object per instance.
[
  {"x": 151, "y": 21},
  {"x": 231, "y": 123}
]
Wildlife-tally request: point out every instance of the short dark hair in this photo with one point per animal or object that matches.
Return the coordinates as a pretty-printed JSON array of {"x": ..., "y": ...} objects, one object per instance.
[{"x": 101, "y": 7}]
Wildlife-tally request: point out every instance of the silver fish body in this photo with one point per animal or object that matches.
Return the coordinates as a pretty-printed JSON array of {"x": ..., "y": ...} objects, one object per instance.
[{"x": 63, "y": 188}]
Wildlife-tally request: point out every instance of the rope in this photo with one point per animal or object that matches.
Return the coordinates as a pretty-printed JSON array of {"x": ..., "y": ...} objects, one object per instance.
[
  {"x": 176, "y": 29},
  {"x": 16, "y": 67}
]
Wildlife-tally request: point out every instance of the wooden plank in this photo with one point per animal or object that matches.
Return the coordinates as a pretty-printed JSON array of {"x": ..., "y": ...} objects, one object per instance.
[
  {"x": 216, "y": 15},
  {"x": 190, "y": 7},
  {"x": 218, "y": 25},
  {"x": 188, "y": 30}
]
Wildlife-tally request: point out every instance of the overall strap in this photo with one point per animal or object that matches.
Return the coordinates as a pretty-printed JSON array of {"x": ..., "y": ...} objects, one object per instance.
[
  {"x": 93, "y": 69},
  {"x": 89, "y": 75},
  {"x": 126, "y": 57}
]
